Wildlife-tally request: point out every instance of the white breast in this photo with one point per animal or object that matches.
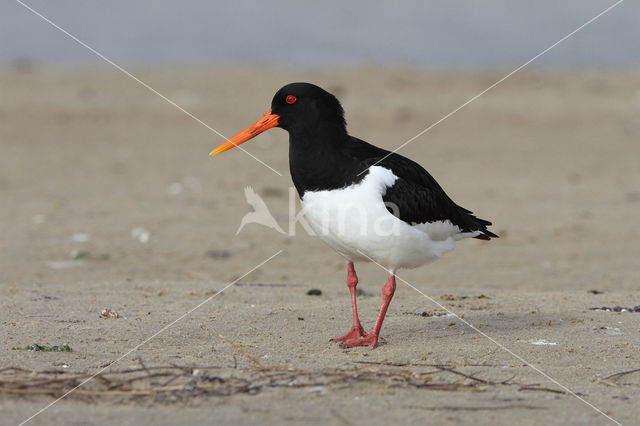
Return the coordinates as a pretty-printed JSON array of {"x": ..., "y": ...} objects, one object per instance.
[{"x": 355, "y": 222}]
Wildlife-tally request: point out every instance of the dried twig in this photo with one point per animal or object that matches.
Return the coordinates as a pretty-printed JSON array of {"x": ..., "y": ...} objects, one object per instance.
[
  {"x": 493, "y": 407},
  {"x": 606, "y": 382},
  {"x": 394, "y": 364},
  {"x": 342, "y": 418},
  {"x": 247, "y": 284},
  {"x": 239, "y": 349},
  {"x": 440, "y": 367},
  {"x": 535, "y": 388},
  {"x": 468, "y": 376},
  {"x": 618, "y": 375}
]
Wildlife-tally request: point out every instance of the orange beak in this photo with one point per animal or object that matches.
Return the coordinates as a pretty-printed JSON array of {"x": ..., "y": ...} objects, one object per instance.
[{"x": 266, "y": 122}]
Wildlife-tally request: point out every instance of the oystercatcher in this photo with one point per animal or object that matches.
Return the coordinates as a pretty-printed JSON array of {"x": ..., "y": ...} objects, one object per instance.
[{"x": 363, "y": 201}]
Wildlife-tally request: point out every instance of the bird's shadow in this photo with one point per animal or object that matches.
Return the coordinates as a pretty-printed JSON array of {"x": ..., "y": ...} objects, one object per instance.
[{"x": 487, "y": 322}]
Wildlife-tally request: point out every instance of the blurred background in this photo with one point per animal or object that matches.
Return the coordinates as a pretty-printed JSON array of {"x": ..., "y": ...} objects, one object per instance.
[
  {"x": 437, "y": 34},
  {"x": 109, "y": 199},
  {"x": 103, "y": 181}
]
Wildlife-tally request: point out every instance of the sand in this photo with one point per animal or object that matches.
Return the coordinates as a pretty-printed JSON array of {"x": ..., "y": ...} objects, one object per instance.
[{"x": 109, "y": 200}]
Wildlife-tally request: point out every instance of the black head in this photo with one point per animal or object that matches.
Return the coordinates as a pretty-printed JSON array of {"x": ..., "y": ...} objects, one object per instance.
[{"x": 305, "y": 107}]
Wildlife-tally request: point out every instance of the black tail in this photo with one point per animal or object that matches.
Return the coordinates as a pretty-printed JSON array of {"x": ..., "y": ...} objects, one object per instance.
[
  {"x": 485, "y": 233},
  {"x": 472, "y": 223}
]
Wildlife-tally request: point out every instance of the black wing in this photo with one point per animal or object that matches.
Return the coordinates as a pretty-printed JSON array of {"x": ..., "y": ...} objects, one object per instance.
[{"x": 416, "y": 197}]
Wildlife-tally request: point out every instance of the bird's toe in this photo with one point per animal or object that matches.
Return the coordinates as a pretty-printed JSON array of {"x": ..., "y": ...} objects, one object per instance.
[{"x": 355, "y": 333}]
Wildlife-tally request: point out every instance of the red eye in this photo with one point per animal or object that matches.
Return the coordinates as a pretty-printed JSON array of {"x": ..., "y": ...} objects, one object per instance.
[{"x": 291, "y": 99}]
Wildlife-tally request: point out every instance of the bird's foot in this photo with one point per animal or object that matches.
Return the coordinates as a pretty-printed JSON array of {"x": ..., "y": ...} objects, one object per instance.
[
  {"x": 356, "y": 332},
  {"x": 367, "y": 340}
]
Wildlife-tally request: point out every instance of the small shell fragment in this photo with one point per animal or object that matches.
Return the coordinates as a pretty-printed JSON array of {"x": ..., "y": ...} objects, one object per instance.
[{"x": 109, "y": 313}]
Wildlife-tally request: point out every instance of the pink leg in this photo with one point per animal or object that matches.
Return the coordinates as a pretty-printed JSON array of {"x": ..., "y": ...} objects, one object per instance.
[
  {"x": 372, "y": 338},
  {"x": 356, "y": 330}
]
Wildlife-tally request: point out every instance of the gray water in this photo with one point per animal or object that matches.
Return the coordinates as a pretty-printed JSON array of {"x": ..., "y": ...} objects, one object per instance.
[{"x": 431, "y": 34}]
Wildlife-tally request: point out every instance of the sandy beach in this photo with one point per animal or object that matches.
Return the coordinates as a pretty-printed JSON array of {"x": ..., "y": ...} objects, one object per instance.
[{"x": 110, "y": 200}]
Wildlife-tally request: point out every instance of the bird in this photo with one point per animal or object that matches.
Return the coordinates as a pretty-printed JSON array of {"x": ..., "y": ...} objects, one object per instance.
[
  {"x": 260, "y": 213},
  {"x": 367, "y": 203}
]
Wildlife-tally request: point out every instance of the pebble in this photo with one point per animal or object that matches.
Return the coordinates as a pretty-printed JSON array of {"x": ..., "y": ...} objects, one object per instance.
[
  {"x": 141, "y": 234},
  {"x": 217, "y": 254},
  {"x": 80, "y": 237}
]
